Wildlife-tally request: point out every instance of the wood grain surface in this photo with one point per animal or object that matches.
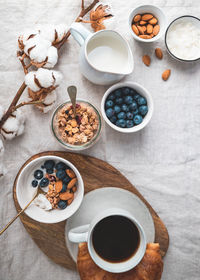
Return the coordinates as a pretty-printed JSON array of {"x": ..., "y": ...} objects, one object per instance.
[{"x": 96, "y": 174}]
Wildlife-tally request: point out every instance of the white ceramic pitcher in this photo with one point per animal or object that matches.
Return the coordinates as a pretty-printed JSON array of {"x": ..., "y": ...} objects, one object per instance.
[{"x": 105, "y": 56}]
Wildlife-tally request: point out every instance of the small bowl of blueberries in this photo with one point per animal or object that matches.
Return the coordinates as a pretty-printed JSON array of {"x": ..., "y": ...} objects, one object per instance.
[{"x": 127, "y": 107}]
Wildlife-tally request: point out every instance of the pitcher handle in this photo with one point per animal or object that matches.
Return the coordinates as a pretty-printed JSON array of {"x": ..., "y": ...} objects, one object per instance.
[
  {"x": 79, "y": 234},
  {"x": 79, "y": 32}
]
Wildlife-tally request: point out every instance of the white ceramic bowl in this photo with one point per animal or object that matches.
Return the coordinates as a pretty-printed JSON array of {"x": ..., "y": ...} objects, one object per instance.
[
  {"x": 142, "y": 91},
  {"x": 25, "y": 193},
  {"x": 150, "y": 9}
]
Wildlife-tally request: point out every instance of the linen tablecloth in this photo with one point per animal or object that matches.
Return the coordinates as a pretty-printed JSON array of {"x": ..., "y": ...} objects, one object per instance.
[{"x": 162, "y": 161}]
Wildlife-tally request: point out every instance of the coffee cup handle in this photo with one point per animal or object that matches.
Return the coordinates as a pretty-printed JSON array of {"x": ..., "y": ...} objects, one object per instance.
[
  {"x": 79, "y": 234},
  {"x": 79, "y": 32}
]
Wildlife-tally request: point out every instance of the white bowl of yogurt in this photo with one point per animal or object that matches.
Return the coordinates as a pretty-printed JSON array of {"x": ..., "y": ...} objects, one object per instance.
[{"x": 182, "y": 38}]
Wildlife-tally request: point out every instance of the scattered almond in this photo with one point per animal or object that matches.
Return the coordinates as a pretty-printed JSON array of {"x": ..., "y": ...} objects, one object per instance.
[
  {"x": 166, "y": 74},
  {"x": 146, "y": 59},
  {"x": 153, "y": 21},
  {"x": 66, "y": 195},
  {"x": 158, "y": 53},
  {"x": 145, "y": 36},
  {"x": 71, "y": 183},
  {"x": 144, "y": 28},
  {"x": 137, "y": 18},
  {"x": 149, "y": 28},
  {"x": 141, "y": 31},
  {"x": 58, "y": 186},
  {"x": 70, "y": 173},
  {"x": 142, "y": 22},
  {"x": 147, "y": 17},
  {"x": 135, "y": 30},
  {"x": 156, "y": 29}
]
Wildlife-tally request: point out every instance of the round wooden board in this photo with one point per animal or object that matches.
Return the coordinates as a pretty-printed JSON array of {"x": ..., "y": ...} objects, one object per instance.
[{"x": 96, "y": 173}]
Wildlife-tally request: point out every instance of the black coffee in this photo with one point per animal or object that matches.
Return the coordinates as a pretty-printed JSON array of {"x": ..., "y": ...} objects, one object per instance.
[{"x": 115, "y": 238}]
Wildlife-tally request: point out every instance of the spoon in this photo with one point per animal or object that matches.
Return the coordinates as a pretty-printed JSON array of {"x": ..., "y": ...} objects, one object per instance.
[
  {"x": 72, "y": 90},
  {"x": 22, "y": 211}
]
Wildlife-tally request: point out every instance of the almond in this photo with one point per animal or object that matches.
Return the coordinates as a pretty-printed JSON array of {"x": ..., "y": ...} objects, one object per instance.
[
  {"x": 144, "y": 28},
  {"x": 145, "y": 36},
  {"x": 58, "y": 186},
  {"x": 146, "y": 59},
  {"x": 142, "y": 22},
  {"x": 135, "y": 30},
  {"x": 66, "y": 195},
  {"x": 166, "y": 74},
  {"x": 153, "y": 21},
  {"x": 158, "y": 53},
  {"x": 137, "y": 18},
  {"x": 147, "y": 17},
  {"x": 71, "y": 183},
  {"x": 156, "y": 29},
  {"x": 69, "y": 201},
  {"x": 70, "y": 173},
  {"x": 140, "y": 30},
  {"x": 74, "y": 189},
  {"x": 149, "y": 28}
]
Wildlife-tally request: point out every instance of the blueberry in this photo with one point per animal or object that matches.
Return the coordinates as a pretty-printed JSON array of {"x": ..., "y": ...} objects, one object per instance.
[
  {"x": 38, "y": 174},
  {"x": 121, "y": 123},
  {"x": 50, "y": 171},
  {"x": 136, "y": 96},
  {"x": 60, "y": 165},
  {"x": 137, "y": 119},
  {"x": 133, "y": 106},
  {"x": 109, "y": 103},
  {"x": 118, "y": 93},
  {"x": 110, "y": 112},
  {"x": 49, "y": 164},
  {"x": 126, "y": 91},
  {"x": 44, "y": 182},
  {"x": 34, "y": 183},
  {"x": 124, "y": 108},
  {"x": 121, "y": 115},
  {"x": 129, "y": 115},
  {"x": 113, "y": 119},
  {"x": 64, "y": 188},
  {"x": 143, "y": 110},
  {"x": 62, "y": 204},
  {"x": 142, "y": 101},
  {"x": 61, "y": 174},
  {"x": 129, "y": 123},
  {"x": 119, "y": 100},
  {"x": 135, "y": 112},
  {"x": 42, "y": 167},
  {"x": 66, "y": 112},
  {"x": 66, "y": 180},
  {"x": 111, "y": 96},
  {"x": 117, "y": 109},
  {"x": 128, "y": 99}
]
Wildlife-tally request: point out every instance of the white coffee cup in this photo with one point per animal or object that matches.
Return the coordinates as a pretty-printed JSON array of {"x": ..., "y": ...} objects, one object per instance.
[{"x": 84, "y": 234}]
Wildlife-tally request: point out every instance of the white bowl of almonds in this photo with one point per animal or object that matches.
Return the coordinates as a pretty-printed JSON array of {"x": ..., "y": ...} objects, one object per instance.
[
  {"x": 76, "y": 132},
  {"x": 147, "y": 23}
]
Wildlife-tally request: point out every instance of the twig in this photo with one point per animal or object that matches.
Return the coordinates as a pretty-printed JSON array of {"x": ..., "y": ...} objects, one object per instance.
[
  {"x": 28, "y": 103},
  {"x": 59, "y": 45}
]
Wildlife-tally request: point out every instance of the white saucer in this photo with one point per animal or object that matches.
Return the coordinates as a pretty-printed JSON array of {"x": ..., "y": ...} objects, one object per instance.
[{"x": 103, "y": 198}]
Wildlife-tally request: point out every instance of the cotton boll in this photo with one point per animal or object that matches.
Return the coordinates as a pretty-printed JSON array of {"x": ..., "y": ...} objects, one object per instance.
[
  {"x": 109, "y": 23},
  {"x": 29, "y": 81},
  {"x": 27, "y": 34},
  {"x": 48, "y": 32},
  {"x": 52, "y": 55},
  {"x": 50, "y": 98},
  {"x": 61, "y": 30},
  {"x": 45, "y": 77},
  {"x": 1, "y": 112},
  {"x": 38, "y": 53},
  {"x": 58, "y": 77}
]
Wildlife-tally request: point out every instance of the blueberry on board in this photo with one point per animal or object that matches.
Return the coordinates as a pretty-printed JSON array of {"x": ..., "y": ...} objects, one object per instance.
[
  {"x": 66, "y": 179},
  {"x": 111, "y": 96},
  {"x": 121, "y": 115},
  {"x": 141, "y": 101},
  {"x": 129, "y": 115},
  {"x": 117, "y": 93},
  {"x": 60, "y": 165},
  {"x": 110, "y": 112},
  {"x": 132, "y": 106},
  {"x": 126, "y": 91},
  {"x": 124, "y": 108},
  {"x": 113, "y": 119},
  {"x": 119, "y": 100},
  {"x": 44, "y": 182},
  {"x": 136, "y": 96},
  {"x": 61, "y": 174},
  {"x": 128, "y": 99},
  {"x": 117, "y": 109},
  {"x": 64, "y": 188},
  {"x": 50, "y": 171},
  {"x": 129, "y": 123},
  {"x": 109, "y": 103},
  {"x": 121, "y": 123},
  {"x": 143, "y": 110},
  {"x": 49, "y": 164},
  {"x": 135, "y": 112},
  {"x": 62, "y": 204},
  {"x": 38, "y": 174},
  {"x": 137, "y": 119},
  {"x": 34, "y": 183}
]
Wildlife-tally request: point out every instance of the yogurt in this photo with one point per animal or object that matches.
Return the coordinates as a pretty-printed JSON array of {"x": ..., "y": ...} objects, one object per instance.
[{"x": 183, "y": 38}]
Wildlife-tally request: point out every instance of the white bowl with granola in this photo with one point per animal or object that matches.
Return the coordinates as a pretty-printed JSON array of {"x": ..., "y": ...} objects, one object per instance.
[
  {"x": 80, "y": 132},
  {"x": 62, "y": 187}
]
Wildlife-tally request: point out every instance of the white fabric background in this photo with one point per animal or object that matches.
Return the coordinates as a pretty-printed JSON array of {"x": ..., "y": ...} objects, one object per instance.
[{"x": 162, "y": 160}]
